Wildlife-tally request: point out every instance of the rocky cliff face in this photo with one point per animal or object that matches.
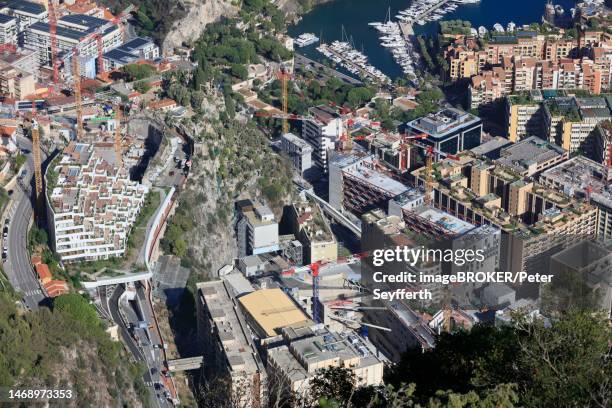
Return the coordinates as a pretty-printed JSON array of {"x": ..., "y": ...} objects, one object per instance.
[
  {"x": 298, "y": 7},
  {"x": 200, "y": 13},
  {"x": 232, "y": 161}
]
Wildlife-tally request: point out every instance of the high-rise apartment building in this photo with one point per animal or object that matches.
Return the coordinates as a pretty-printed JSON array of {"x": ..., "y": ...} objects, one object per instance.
[
  {"x": 92, "y": 203},
  {"x": 233, "y": 368},
  {"x": 71, "y": 30}
]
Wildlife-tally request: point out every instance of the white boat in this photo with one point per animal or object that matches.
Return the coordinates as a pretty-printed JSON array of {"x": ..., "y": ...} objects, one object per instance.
[{"x": 306, "y": 39}]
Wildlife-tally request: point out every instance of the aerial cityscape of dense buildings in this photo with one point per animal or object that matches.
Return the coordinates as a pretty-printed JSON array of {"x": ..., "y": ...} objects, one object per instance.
[{"x": 254, "y": 222}]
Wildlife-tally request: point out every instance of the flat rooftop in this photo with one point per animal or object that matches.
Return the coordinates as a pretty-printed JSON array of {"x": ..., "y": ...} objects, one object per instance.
[
  {"x": 304, "y": 145},
  {"x": 444, "y": 122},
  {"x": 533, "y": 150},
  {"x": 5, "y": 19},
  {"x": 329, "y": 347},
  {"x": 491, "y": 146},
  {"x": 121, "y": 56},
  {"x": 411, "y": 194},
  {"x": 24, "y": 6},
  {"x": 376, "y": 178},
  {"x": 443, "y": 219},
  {"x": 577, "y": 174},
  {"x": 324, "y": 113},
  {"x": 236, "y": 345},
  {"x": 272, "y": 309},
  {"x": 583, "y": 254}
]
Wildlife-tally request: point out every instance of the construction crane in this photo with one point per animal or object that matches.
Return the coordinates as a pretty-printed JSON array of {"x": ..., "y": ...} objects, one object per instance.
[
  {"x": 38, "y": 178},
  {"x": 284, "y": 76},
  {"x": 118, "y": 152},
  {"x": 78, "y": 101},
  {"x": 53, "y": 36},
  {"x": 314, "y": 270},
  {"x": 430, "y": 153},
  {"x": 284, "y": 116},
  {"x": 315, "y": 291},
  {"x": 405, "y": 149}
]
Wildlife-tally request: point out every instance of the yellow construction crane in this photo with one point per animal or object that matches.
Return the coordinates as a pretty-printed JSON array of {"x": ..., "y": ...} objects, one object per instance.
[
  {"x": 76, "y": 73},
  {"x": 428, "y": 175},
  {"x": 118, "y": 152},
  {"x": 284, "y": 78},
  {"x": 38, "y": 177}
]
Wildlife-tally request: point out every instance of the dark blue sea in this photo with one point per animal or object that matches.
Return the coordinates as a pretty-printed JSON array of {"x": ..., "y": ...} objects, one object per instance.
[{"x": 328, "y": 19}]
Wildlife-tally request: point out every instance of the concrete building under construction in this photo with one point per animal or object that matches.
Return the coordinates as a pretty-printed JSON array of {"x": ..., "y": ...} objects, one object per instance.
[
  {"x": 360, "y": 184},
  {"x": 583, "y": 178}
]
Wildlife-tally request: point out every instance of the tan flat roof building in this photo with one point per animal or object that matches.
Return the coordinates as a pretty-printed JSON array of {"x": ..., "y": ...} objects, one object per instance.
[{"x": 269, "y": 310}]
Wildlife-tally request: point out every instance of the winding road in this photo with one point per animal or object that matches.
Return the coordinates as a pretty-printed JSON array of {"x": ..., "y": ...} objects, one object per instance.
[{"x": 17, "y": 267}]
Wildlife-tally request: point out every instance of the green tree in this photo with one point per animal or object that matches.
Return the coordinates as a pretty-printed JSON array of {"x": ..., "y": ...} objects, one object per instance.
[
  {"x": 239, "y": 71},
  {"x": 565, "y": 362},
  {"x": 136, "y": 72},
  {"x": 142, "y": 86},
  {"x": 78, "y": 308},
  {"x": 18, "y": 161}
]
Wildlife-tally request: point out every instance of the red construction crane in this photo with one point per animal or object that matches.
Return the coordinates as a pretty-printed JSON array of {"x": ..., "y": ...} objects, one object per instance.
[
  {"x": 314, "y": 269},
  {"x": 315, "y": 291}
]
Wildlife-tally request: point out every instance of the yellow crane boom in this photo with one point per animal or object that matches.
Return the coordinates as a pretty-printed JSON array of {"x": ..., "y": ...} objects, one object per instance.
[
  {"x": 76, "y": 68},
  {"x": 118, "y": 152},
  {"x": 38, "y": 177}
]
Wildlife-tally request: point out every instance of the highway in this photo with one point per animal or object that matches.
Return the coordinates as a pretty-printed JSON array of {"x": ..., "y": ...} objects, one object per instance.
[
  {"x": 17, "y": 267},
  {"x": 137, "y": 340}
]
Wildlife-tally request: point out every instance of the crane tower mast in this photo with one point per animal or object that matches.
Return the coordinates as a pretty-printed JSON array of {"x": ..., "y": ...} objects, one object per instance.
[{"x": 55, "y": 63}]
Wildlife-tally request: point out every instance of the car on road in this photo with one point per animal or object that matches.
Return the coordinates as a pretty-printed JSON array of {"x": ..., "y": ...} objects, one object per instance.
[
  {"x": 7, "y": 221},
  {"x": 4, "y": 256},
  {"x": 153, "y": 370}
]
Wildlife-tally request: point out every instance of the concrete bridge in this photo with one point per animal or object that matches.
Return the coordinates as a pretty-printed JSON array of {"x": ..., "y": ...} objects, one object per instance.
[{"x": 184, "y": 364}]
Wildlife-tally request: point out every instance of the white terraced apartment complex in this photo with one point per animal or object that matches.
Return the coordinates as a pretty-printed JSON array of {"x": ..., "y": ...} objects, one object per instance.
[{"x": 92, "y": 205}]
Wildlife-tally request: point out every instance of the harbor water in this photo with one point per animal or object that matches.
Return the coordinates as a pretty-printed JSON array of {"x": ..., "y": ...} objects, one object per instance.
[{"x": 326, "y": 21}]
